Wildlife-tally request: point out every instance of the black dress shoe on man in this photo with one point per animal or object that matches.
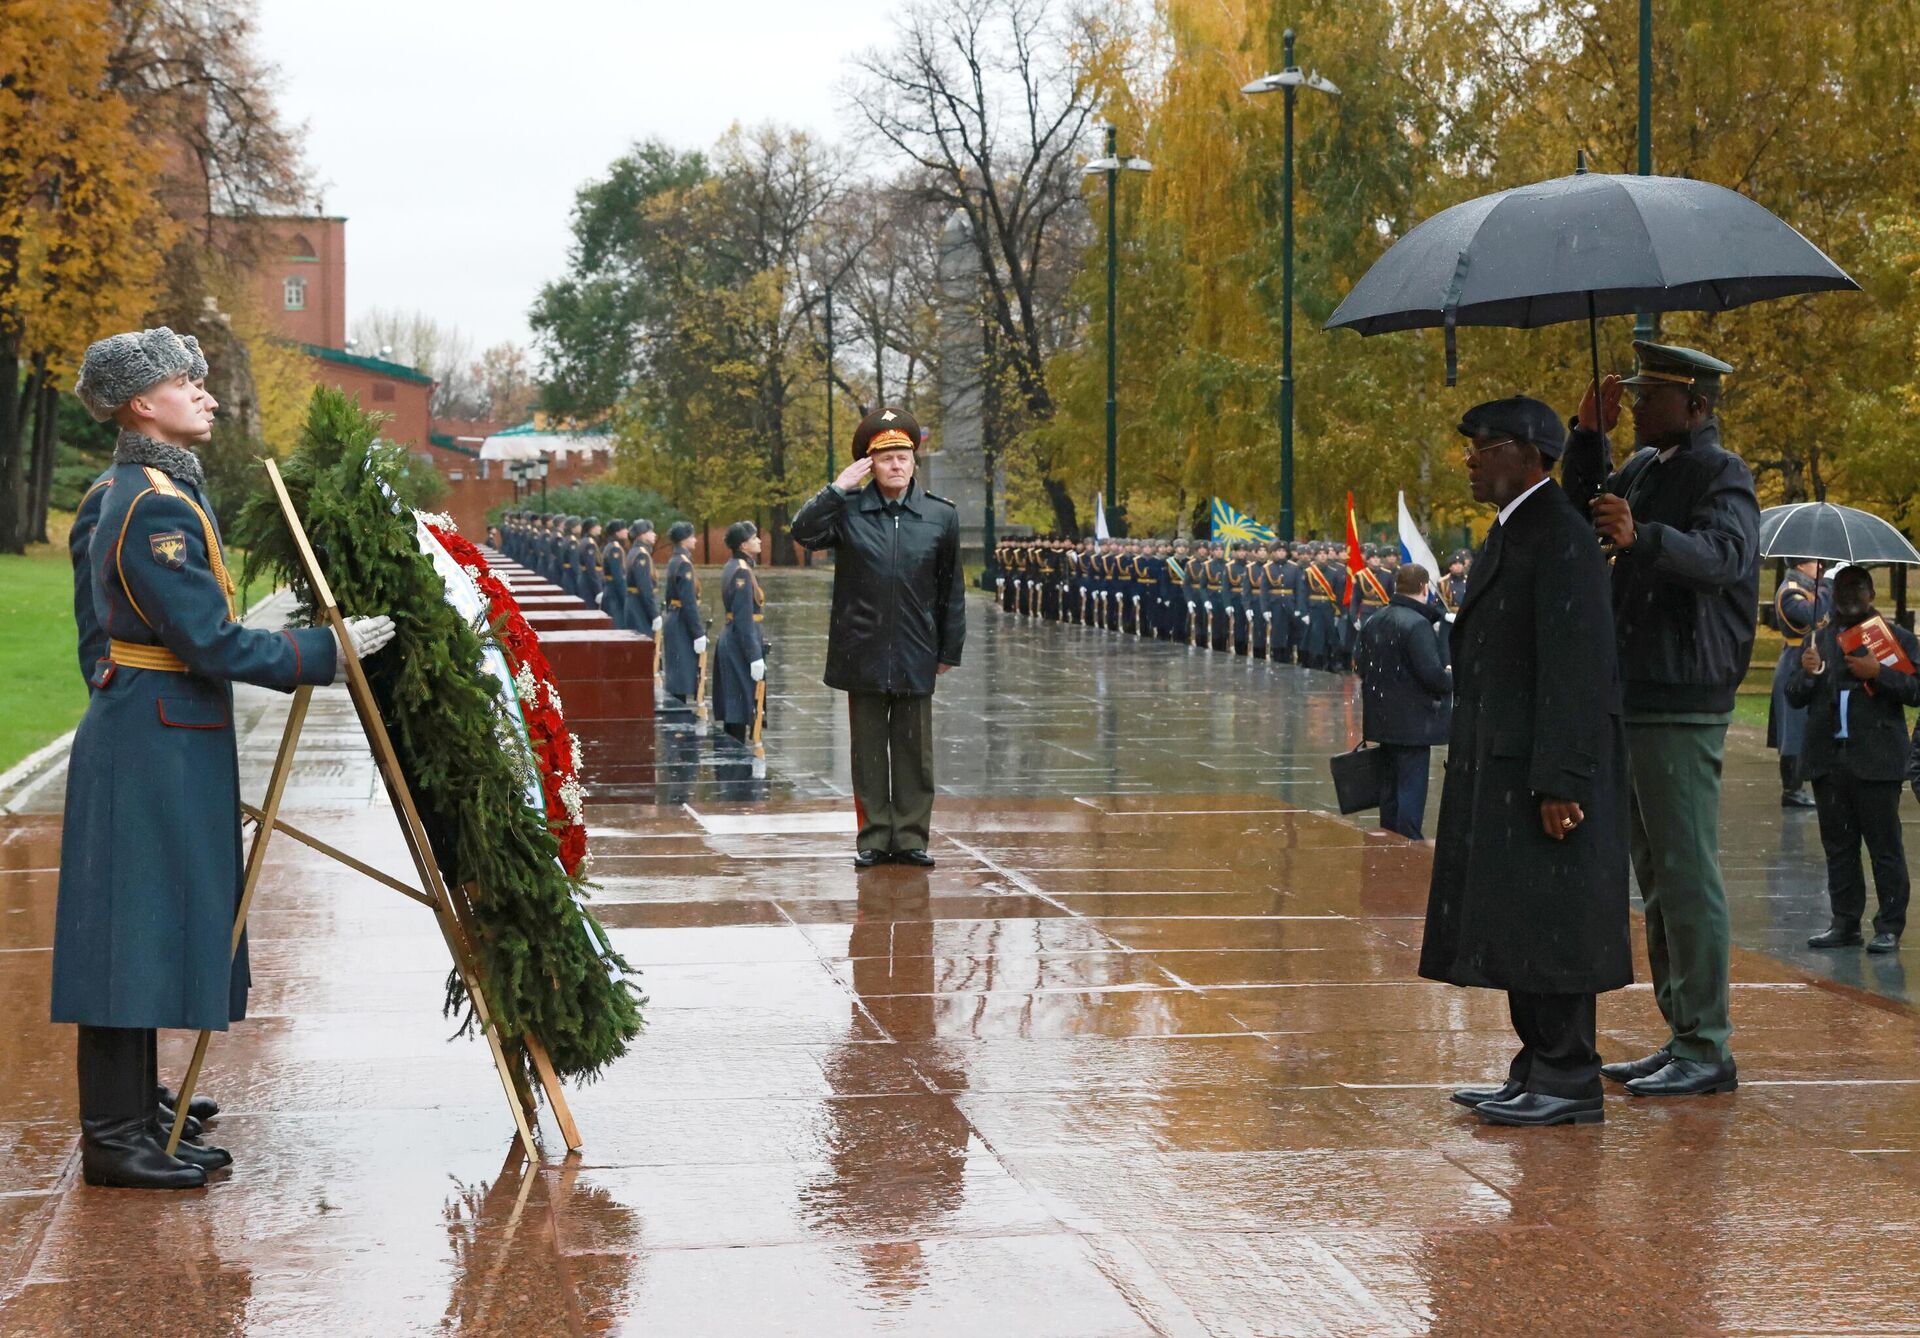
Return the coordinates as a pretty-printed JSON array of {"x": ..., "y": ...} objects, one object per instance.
[
  {"x": 1839, "y": 936},
  {"x": 1884, "y": 941},
  {"x": 208, "y": 1159},
  {"x": 1688, "y": 1077},
  {"x": 920, "y": 859},
  {"x": 866, "y": 859},
  {"x": 1534, "y": 1108},
  {"x": 1479, "y": 1096},
  {"x": 1629, "y": 1069},
  {"x": 1796, "y": 799},
  {"x": 124, "y": 1154}
]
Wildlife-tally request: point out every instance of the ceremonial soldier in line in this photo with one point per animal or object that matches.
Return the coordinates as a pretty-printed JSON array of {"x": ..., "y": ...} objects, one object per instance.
[
  {"x": 1187, "y": 596},
  {"x": 1232, "y": 575},
  {"x": 1016, "y": 573},
  {"x": 1069, "y": 581},
  {"x": 1801, "y": 604},
  {"x": 684, "y": 638},
  {"x": 1059, "y": 588},
  {"x": 1270, "y": 631},
  {"x": 545, "y": 557},
  {"x": 1281, "y": 601},
  {"x": 1453, "y": 590},
  {"x": 1102, "y": 554},
  {"x": 1164, "y": 589},
  {"x": 586, "y": 561},
  {"x": 1374, "y": 581},
  {"x": 150, "y": 864},
  {"x": 567, "y": 548},
  {"x": 642, "y": 599},
  {"x": 1326, "y": 583},
  {"x": 740, "y": 657},
  {"x": 1251, "y": 634},
  {"x": 1131, "y": 590},
  {"x": 613, "y": 572},
  {"x": 1219, "y": 570},
  {"x": 1201, "y": 569}
]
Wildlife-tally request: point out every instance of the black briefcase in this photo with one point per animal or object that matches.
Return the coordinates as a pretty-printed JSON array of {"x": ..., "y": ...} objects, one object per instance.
[{"x": 1357, "y": 778}]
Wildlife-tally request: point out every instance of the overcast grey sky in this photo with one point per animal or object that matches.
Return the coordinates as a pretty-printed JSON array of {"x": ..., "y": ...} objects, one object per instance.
[{"x": 453, "y": 133}]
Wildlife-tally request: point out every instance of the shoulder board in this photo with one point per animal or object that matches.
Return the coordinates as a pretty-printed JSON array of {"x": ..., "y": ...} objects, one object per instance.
[
  {"x": 160, "y": 481},
  {"x": 935, "y": 497}
]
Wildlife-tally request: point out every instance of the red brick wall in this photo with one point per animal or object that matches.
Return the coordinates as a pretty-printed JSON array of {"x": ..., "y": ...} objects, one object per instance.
[
  {"x": 403, "y": 402},
  {"x": 280, "y": 245}
]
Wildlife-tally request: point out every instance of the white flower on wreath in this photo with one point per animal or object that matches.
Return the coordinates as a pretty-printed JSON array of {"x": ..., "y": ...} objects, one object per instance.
[
  {"x": 553, "y": 698},
  {"x": 573, "y": 799},
  {"x": 579, "y": 757},
  {"x": 440, "y": 520},
  {"x": 525, "y": 687}
]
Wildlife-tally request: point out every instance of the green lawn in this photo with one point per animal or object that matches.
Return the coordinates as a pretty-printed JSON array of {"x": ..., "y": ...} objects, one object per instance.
[{"x": 43, "y": 694}]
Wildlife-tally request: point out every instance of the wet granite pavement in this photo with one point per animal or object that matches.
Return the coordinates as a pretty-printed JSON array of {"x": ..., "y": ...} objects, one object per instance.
[{"x": 1145, "y": 1054}]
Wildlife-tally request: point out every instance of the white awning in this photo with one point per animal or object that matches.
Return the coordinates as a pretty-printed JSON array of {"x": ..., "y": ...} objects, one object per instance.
[{"x": 534, "y": 445}]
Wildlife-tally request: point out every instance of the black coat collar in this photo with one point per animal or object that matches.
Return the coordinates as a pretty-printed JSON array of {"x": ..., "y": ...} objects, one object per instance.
[{"x": 871, "y": 500}]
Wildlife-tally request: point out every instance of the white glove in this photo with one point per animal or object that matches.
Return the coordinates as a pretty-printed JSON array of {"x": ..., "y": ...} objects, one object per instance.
[
  {"x": 1267, "y": 616},
  {"x": 1209, "y": 606},
  {"x": 656, "y": 626},
  {"x": 367, "y": 636},
  {"x": 699, "y": 645},
  {"x": 1189, "y": 606},
  {"x": 600, "y": 600},
  {"x": 758, "y": 669},
  {"x": 1305, "y": 619}
]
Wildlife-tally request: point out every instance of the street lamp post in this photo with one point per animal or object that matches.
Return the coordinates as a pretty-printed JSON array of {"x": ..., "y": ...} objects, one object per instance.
[
  {"x": 1287, "y": 81},
  {"x": 1111, "y": 167},
  {"x": 824, "y": 290},
  {"x": 1644, "y": 325}
]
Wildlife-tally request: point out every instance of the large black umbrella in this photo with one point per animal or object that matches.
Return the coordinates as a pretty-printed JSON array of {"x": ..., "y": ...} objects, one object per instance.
[
  {"x": 1580, "y": 247},
  {"x": 1832, "y": 534}
]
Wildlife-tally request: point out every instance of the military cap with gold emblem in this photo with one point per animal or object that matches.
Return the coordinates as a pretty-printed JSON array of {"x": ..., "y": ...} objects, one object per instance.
[
  {"x": 1670, "y": 365},
  {"x": 886, "y": 429}
]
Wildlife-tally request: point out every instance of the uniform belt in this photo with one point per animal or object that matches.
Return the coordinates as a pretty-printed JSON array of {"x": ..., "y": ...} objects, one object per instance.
[
  {"x": 673, "y": 603},
  {"x": 145, "y": 657}
]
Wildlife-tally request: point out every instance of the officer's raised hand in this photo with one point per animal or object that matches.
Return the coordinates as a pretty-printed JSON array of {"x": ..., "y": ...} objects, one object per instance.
[
  {"x": 1609, "y": 413},
  {"x": 366, "y": 635},
  {"x": 854, "y": 477}
]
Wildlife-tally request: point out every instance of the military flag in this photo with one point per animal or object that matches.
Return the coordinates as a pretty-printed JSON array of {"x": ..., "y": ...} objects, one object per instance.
[
  {"x": 1236, "y": 527},
  {"x": 1356, "y": 560}
]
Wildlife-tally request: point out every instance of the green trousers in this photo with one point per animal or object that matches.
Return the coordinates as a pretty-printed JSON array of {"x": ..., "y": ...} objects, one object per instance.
[
  {"x": 892, "y": 769},
  {"x": 1675, "y": 846}
]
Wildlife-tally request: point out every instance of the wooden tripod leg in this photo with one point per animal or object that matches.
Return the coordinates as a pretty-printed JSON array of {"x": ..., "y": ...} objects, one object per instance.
[
  {"x": 759, "y": 716},
  {"x": 700, "y": 687},
  {"x": 256, "y": 861},
  {"x": 470, "y": 946}
]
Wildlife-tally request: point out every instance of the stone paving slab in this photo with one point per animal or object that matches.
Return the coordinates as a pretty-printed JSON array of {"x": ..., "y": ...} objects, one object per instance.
[{"x": 1129, "y": 1061}]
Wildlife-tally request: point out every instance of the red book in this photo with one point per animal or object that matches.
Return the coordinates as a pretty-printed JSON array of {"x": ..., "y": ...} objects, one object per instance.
[{"x": 1877, "y": 638}]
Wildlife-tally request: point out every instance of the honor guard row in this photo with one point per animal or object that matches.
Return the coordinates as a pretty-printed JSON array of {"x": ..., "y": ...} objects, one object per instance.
[
  {"x": 1277, "y": 601},
  {"x": 608, "y": 565}
]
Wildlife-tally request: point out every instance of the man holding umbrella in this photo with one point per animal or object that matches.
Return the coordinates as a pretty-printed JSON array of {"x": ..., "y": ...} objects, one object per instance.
[{"x": 1681, "y": 523}]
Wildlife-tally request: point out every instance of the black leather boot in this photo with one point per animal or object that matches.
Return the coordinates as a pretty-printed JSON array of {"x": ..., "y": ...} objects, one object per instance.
[
  {"x": 201, "y": 1108},
  {"x": 189, "y": 1151},
  {"x": 117, "y": 1143}
]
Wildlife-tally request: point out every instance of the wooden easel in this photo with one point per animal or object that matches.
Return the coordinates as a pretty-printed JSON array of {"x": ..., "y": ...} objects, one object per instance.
[
  {"x": 759, "y": 717},
  {"x": 452, "y": 907}
]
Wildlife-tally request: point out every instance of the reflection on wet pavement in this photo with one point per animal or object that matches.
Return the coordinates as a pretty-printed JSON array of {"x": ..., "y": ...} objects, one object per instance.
[{"x": 1145, "y": 1054}]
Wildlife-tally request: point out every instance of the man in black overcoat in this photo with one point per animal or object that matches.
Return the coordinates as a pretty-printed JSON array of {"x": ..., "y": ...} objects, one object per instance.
[{"x": 1529, "y": 891}]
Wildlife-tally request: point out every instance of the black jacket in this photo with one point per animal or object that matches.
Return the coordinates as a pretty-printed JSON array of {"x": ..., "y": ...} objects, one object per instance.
[
  {"x": 1686, "y": 595},
  {"x": 1876, "y": 746},
  {"x": 899, "y": 595},
  {"x": 1406, "y": 688},
  {"x": 1536, "y": 713}
]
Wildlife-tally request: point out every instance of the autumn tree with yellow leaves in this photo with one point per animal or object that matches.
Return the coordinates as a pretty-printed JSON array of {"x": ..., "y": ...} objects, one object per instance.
[{"x": 82, "y": 239}]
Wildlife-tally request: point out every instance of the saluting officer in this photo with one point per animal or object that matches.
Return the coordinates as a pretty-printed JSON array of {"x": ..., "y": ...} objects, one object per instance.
[
  {"x": 740, "y": 656},
  {"x": 150, "y": 862},
  {"x": 1683, "y": 524},
  {"x": 1802, "y": 603},
  {"x": 685, "y": 638}
]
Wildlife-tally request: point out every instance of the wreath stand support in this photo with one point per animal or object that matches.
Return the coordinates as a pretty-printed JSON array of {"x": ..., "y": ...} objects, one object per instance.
[{"x": 452, "y": 906}]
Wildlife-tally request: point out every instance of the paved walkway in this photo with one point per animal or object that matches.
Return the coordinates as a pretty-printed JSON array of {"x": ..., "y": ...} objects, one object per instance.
[{"x": 1146, "y": 1054}]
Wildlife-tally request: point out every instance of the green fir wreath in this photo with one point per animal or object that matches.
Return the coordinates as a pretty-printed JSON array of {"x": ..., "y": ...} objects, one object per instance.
[{"x": 549, "y": 968}]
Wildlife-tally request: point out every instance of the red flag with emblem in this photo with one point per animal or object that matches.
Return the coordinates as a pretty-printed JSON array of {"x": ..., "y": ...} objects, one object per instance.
[{"x": 1356, "y": 561}]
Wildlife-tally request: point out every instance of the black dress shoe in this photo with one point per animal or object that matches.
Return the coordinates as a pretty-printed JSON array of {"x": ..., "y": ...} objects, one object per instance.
[
  {"x": 1796, "y": 799},
  {"x": 1884, "y": 941},
  {"x": 208, "y": 1159},
  {"x": 866, "y": 859},
  {"x": 124, "y": 1154},
  {"x": 1479, "y": 1096},
  {"x": 1688, "y": 1077},
  {"x": 202, "y": 1108},
  {"x": 1629, "y": 1069},
  {"x": 1836, "y": 937},
  {"x": 920, "y": 859},
  {"x": 1533, "y": 1108}
]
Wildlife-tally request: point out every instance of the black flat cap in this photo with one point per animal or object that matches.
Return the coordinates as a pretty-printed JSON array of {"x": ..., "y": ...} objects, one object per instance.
[{"x": 1521, "y": 418}]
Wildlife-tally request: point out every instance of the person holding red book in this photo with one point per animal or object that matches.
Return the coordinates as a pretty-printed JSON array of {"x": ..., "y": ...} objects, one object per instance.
[{"x": 1855, "y": 753}]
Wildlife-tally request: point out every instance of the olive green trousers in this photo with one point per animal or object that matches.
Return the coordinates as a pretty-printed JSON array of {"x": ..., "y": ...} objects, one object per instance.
[
  {"x": 1674, "y": 838},
  {"x": 892, "y": 770}
]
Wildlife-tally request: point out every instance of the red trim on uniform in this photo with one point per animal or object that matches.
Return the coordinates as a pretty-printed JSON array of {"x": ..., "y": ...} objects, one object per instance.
[
  {"x": 161, "y": 703},
  {"x": 291, "y": 641}
]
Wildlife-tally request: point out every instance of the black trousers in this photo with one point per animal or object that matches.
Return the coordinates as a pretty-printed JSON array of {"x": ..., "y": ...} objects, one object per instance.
[
  {"x": 1558, "y": 1055},
  {"x": 1403, "y": 788},
  {"x": 1852, "y": 811},
  {"x": 118, "y": 1070}
]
